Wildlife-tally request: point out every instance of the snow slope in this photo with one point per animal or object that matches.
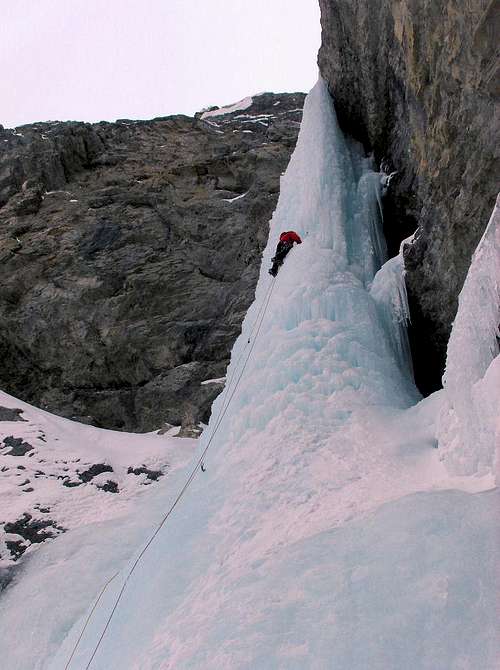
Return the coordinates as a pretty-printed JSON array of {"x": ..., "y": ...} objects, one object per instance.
[
  {"x": 325, "y": 532},
  {"x": 57, "y": 474},
  {"x": 229, "y": 109}
]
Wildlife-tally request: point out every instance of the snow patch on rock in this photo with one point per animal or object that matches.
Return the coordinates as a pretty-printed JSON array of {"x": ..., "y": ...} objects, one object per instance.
[{"x": 229, "y": 109}]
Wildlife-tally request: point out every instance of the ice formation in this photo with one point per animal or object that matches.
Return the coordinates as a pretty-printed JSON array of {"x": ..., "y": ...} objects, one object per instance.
[
  {"x": 323, "y": 533},
  {"x": 388, "y": 289},
  {"x": 469, "y": 428}
]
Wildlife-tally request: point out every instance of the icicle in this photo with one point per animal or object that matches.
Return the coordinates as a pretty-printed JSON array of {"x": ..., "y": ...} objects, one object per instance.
[{"x": 389, "y": 292}]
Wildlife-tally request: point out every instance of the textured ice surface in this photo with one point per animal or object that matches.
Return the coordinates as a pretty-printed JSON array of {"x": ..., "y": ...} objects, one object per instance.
[
  {"x": 469, "y": 428},
  {"x": 389, "y": 292},
  {"x": 318, "y": 537}
]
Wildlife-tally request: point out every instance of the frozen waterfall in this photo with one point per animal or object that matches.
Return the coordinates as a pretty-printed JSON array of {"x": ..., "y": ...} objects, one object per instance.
[{"x": 323, "y": 534}]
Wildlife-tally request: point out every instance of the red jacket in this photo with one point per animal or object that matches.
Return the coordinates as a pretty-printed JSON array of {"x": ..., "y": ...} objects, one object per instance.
[{"x": 290, "y": 236}]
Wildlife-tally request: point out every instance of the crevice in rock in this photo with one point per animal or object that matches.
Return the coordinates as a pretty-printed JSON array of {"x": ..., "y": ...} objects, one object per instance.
[{"x": 427, "y": 351}]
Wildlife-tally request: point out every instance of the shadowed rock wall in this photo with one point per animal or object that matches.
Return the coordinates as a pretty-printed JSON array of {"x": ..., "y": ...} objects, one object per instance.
[
  {"x": 417, "y": 81},
  {"x": 128, "y": 258}
]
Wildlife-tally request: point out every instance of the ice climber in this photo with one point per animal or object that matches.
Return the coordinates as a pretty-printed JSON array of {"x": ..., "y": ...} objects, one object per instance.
[{"x": 284, "y": 245}]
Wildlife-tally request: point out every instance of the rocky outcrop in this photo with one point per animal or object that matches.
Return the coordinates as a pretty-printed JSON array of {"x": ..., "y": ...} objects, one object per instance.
[
  {"x": 29, "y": 531},
  {"x": 8, "y": 414},
  {"x": 418, "y": 83},
  {"x": 129, "y": 253}
]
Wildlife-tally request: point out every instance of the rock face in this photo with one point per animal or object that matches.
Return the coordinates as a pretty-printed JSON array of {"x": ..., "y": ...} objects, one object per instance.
[
  {"x": 129, "y": 255},
  {"x": 417, "y": 82}
]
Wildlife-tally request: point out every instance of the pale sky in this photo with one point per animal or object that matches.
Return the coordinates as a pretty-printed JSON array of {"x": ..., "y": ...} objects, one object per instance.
[{"x": 91, "y": 60}]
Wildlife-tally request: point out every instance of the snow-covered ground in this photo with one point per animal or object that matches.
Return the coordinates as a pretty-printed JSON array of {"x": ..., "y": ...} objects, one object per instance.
[
  {"x": 57, "y": 474},
  {"x": 229, "y": 109},
  {"x": 326, "y": 532}
]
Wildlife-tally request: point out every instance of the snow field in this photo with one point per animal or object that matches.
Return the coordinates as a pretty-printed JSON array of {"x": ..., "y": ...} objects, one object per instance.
[{"x": 60, "y": 450}]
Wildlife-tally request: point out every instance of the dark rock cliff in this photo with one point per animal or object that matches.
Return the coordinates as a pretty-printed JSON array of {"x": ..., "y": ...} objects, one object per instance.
[
  {"x": 129, "y": 254},
  {"x": 417, "y": 82}
]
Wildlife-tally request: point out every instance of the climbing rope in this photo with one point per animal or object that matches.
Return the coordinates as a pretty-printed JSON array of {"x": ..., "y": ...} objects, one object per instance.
[
  {"x": 88, "y": 619},
  {"x": 223, "y": 411},
  {"x": 263, "y": 307},
  {"x": 199, "y": 465}
]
